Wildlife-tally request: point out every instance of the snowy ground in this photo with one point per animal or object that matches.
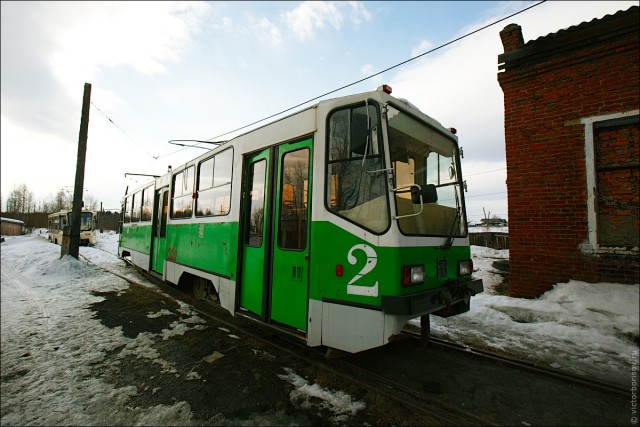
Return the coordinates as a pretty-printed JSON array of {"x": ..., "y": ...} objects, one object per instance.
[
  {"x": 589, "y": 329},
  {"x": 49, "y": 339}
]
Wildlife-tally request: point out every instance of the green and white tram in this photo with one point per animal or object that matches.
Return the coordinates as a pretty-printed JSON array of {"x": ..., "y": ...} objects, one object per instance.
[{"x": 340, "y": 222}]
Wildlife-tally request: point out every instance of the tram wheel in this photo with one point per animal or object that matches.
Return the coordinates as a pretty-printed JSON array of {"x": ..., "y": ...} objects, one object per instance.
[
  {"x": 200, "y": 288},
  {"x": 203, "y": 290}
]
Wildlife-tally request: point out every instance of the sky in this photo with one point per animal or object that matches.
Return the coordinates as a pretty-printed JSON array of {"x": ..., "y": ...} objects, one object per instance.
[
  {"x": 198, "y": 70},
  {"x": 583, "y": 328}
]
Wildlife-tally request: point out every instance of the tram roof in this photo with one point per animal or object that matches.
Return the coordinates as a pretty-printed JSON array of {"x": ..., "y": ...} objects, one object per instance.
[{"x": 381, "y": 94}]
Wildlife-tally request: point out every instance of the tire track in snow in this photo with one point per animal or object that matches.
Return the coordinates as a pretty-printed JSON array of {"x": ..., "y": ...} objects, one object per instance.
[{"x": 10, "y": 277}]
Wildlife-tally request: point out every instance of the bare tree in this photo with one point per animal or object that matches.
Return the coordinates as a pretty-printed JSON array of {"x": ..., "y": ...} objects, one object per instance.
[
  {"x": 90, "y": 203},
  {"x": 20, "y": 200}
]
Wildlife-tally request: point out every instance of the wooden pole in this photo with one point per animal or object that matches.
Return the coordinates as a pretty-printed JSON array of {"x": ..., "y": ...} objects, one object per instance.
[{"x": 78, "y": 189}]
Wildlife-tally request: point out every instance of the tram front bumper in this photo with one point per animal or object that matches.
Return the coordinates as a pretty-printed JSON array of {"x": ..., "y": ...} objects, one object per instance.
[{"x": 445, "y": 301}]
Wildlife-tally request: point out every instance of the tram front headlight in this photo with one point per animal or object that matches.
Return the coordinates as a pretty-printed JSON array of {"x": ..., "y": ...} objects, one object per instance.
[
  {"x": 412, "y": 274},
  {"x": 465, "y": 267}
]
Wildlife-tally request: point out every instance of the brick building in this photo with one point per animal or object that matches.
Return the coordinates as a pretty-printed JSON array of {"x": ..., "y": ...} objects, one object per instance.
[{"x": 571, "y": 134}]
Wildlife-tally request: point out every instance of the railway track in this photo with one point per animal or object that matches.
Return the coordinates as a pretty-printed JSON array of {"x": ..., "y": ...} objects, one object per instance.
[
  {"x": 532, "y": 367},
  {"x": 286, "y": 341},
  {"x": 346, "y": 369}
]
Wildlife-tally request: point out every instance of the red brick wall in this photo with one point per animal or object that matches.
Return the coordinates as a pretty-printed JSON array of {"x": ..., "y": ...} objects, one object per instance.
[{"x": 546, "y": 173}]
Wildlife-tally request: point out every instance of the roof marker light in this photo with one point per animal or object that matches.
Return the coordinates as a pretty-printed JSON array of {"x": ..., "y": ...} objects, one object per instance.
[
  {"x": 453, "y": 130},
  {"x": 386, "y": 89}
]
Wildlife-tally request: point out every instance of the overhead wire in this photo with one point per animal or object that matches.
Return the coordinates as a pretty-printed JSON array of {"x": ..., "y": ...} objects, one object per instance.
[
  {"x": 483, "y": 172},
  {"x": 372, "y": 75},
  {"x": 123, "y": 132}
]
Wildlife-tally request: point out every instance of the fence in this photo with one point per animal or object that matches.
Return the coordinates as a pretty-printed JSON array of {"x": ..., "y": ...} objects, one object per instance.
[{"x": 490, "y": 239}]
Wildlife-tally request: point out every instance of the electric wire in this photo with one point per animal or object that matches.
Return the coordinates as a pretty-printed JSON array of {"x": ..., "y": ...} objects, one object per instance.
[
  {"x": 487, "y": 194},
  {"x": 123, "y": 132},
  {"x": 480, "y": 173},
  {"x": 372, "y": 75}
]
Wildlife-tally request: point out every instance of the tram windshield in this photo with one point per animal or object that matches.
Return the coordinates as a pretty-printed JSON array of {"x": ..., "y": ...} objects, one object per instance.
[
  {"x": 86, "y": 220},
  {"x": 420, "y": 155},
  {"x": 86, "y": 223}
]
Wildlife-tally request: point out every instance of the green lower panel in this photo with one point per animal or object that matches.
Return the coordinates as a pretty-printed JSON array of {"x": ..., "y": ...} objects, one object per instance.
[
  {"x": 252, "y": 280},
  {"x": 368, "y": 271},
  {"x": 159, "y": 255},
  {"x": 212, "y": 247},
  {"x": 289, "y": 289},
  {"x": 137, "y": 238}
]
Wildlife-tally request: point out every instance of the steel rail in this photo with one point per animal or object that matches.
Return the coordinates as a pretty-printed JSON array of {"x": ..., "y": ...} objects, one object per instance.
[
  {"x": 374, "y": 383},
  {"x": 529, "y": 366}
]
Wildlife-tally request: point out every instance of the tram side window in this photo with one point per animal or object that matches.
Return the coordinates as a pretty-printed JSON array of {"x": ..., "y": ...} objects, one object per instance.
[
  {"x": 214, "y": 185},
  {"x": 137, "y": 205},
  {"x": 182, "y": 201},
  {"x": 255, "y": 219},
  {"x": 356, "y": 189},
  {"x": 127, "y": 210},
  {"x": 146, "y": 204},
  {"x": 292, "y": 226}
]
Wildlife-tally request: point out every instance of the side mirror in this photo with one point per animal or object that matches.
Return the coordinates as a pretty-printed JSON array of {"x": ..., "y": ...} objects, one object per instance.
[{"x": 428, "y": 192}]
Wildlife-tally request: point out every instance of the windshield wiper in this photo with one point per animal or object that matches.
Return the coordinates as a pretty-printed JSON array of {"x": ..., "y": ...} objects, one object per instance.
[{"x": 447, "y": 243}]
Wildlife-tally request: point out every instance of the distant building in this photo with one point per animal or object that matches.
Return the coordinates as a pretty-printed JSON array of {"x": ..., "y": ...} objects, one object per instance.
[
  {"x": 11, "y": 227},
  {"x": 571, "y": 103},
  {"x": 494, "y": 222}
]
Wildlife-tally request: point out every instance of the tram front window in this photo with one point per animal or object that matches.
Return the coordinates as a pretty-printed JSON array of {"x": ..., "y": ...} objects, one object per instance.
[
  {"x": 421, "y": 155},
  {"x": 356, "y": 187},
  {"x": 86, "y": 223}
]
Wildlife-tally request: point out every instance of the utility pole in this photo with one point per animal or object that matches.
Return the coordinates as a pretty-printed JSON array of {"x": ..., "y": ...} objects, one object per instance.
[{"x": 73, "y": 232}]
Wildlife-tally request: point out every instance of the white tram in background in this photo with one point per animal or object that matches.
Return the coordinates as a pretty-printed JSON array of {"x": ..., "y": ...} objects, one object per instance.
[{"x": 58, "y": 220}]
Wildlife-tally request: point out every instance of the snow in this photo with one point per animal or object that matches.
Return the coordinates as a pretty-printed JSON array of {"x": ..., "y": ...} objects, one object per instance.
[
  {"x": 337, "y": 402},
  {"x": 584, "y": 328},
  {"x": 49, "y": 339}
]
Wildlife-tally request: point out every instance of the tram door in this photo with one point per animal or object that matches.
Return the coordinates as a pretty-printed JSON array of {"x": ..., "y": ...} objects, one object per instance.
[
  {"x": 275, "y": 261},
  {"x": 158, "y": 249}
]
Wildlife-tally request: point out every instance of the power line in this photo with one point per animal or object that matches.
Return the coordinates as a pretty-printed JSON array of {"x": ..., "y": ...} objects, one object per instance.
[
  {"x": 369, "y": 77},
  {"x": 480, "y": 173},
  {"x": 373, "y": 75},
  {"x": 487, "y": 194},
  {"x": 123, "y": 132}
]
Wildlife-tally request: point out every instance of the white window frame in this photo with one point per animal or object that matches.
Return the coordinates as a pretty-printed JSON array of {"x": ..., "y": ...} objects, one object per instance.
[{"x": 592, "y": 246}]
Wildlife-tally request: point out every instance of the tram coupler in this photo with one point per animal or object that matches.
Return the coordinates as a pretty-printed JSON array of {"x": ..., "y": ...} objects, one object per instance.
[{"x": 425, "y": 329}]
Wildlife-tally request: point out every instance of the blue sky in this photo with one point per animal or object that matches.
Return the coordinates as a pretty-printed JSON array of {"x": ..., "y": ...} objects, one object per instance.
[{"x": 162, "y": 71}]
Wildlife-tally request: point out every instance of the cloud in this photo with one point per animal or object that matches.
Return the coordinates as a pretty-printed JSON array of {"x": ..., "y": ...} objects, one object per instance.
[
  {"x": 423, "y": 47},
  {"x": 458, "y": 85},
  {"x": 266, "y": 31},
  {"x": 79, "y": 42},
  {"x": 50, "y": 49},
  {"x": 137, "y": 35},
  {"x": 308, "y": 17},
  {"x": 358, "y": 12},
  {"x": 367, "y": 70},
  {"x": 226, "y": 24},
  {"x": 28, "y": 86}
]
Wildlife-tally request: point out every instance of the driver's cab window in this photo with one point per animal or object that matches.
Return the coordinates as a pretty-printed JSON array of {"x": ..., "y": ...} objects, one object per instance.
[{"x": 356, "y": 187}]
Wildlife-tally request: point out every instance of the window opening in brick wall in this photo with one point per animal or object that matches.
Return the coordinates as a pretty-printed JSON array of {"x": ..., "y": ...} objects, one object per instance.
[
  {"x": 612, "y": 149},
  {"x": 617, "y": 164}
]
